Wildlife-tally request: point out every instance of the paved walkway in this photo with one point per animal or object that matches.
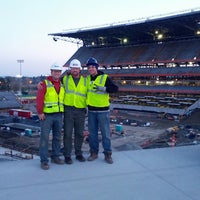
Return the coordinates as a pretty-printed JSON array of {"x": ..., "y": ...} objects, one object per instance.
[{"x": 153, "y": 174}]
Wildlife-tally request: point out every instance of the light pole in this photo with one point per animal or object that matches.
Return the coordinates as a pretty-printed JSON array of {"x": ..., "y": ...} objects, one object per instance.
[{"x": 20, "y": 61}]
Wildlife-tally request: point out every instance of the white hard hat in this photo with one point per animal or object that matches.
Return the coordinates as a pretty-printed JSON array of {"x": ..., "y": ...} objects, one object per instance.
[
  {"x": 55, "y": 67},
  {"x": 75, "y": 64}
]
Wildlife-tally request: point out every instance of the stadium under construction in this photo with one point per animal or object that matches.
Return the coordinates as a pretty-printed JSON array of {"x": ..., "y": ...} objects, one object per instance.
[{"x": 155, "y": 61}]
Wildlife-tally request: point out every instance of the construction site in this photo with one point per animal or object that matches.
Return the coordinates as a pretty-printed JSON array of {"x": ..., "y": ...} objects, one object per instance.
[
  {"x": 130, "y": 130},
  {"x": 158, "y": 101}
]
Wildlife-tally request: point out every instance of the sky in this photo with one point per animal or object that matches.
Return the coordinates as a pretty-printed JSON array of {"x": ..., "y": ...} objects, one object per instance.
[{"x": 25, "y": 25}]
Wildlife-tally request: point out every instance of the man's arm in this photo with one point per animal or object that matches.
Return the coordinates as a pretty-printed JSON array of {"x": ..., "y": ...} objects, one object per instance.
[
  {"x": 40, "y": 100},
  {"x": 111, "y": 87}
]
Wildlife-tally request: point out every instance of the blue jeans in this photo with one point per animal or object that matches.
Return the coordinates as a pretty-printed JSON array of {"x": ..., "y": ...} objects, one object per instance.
[
  {"x": 52, "y": 122},
  {"x": 99, "y": 120}
]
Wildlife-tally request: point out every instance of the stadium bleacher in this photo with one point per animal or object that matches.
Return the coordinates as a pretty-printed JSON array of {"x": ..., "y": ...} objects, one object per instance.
[{"x": 155, "y": 56}]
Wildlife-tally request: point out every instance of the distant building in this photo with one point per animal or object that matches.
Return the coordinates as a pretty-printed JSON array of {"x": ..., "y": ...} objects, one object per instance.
[{"x": 9, "y": 100}]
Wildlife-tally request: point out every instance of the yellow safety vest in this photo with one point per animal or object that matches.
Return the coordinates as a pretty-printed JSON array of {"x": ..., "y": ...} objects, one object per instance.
[
  {"x": 97, "y": 98},
  {"x": 75, "y": 95},
  {"x": 53, "y": 102}
]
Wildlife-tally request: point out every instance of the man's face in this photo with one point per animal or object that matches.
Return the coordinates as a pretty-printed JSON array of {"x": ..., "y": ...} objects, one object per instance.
[
  {"x": 92, "y": 70},
  {"x": 75, "y": 71},
  {"x": 56, "y": 74}
]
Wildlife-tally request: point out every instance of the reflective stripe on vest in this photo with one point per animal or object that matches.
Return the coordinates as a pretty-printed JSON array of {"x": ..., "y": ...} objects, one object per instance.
[
  {"x": 75, "y": 95},
  {"x": 97, "y": 98},
  {"x": 53, "y": 102}
]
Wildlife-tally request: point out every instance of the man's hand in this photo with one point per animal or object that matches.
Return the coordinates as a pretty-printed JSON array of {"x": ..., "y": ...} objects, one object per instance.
[
  {"x": 39, "y": 86},
  {"x": 41, "y": 116},
  {"x": 99, "y": 88}
]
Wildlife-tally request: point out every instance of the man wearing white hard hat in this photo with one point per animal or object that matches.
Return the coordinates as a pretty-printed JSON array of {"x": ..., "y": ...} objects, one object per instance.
[
  {"x": 74, "y": 111},
  {"x": 49, "y": 104}
]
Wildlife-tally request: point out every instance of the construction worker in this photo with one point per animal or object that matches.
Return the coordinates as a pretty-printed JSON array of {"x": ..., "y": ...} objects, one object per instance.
[
  {"x": 99, "y": 87},
  {"x": 74, "y": 111},
  {"x": 50, "y": 111}
]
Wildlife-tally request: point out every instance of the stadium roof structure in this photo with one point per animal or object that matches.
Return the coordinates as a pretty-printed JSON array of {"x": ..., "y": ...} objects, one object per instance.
[
  {"x": 171, "y": 27},
  {"x": 145, "y": 41}
]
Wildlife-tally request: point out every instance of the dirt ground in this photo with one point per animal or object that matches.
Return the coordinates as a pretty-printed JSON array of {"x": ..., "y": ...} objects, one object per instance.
[
  {"x": 154, "y": 132},
  {"x": 147, "y": 130}
]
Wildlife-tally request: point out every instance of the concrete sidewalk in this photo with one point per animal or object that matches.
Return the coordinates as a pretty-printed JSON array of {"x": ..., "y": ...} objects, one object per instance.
[{"x": 157, "y": 174}]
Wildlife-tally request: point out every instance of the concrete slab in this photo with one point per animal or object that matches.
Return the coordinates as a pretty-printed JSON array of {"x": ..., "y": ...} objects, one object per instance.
[{"x": 158, "y": 174}]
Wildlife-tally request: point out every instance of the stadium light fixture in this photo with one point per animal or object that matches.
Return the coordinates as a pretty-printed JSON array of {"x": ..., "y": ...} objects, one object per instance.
[
  {"x": 160, "y": 36},
  {"x": 125, "y": 40},
  {"x": 55, "y": 39},
  {"x": 20, "y": 61},
  {"x": 68, "y": 39}
]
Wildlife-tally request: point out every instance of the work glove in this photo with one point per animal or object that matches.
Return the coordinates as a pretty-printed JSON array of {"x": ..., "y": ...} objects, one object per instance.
[{"x": 99, "y": 88}]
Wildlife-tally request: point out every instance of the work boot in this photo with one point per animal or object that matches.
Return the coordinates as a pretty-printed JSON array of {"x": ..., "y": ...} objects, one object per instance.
[
  {"x": 108, "y": 158},
  {"x": 92, "y": 156},
  {"x": 68, "y": 160},
  {"x": 80, "y": 158},
  {"x": 44, "y": 165},
  {"x": 57, "y": 161}
]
